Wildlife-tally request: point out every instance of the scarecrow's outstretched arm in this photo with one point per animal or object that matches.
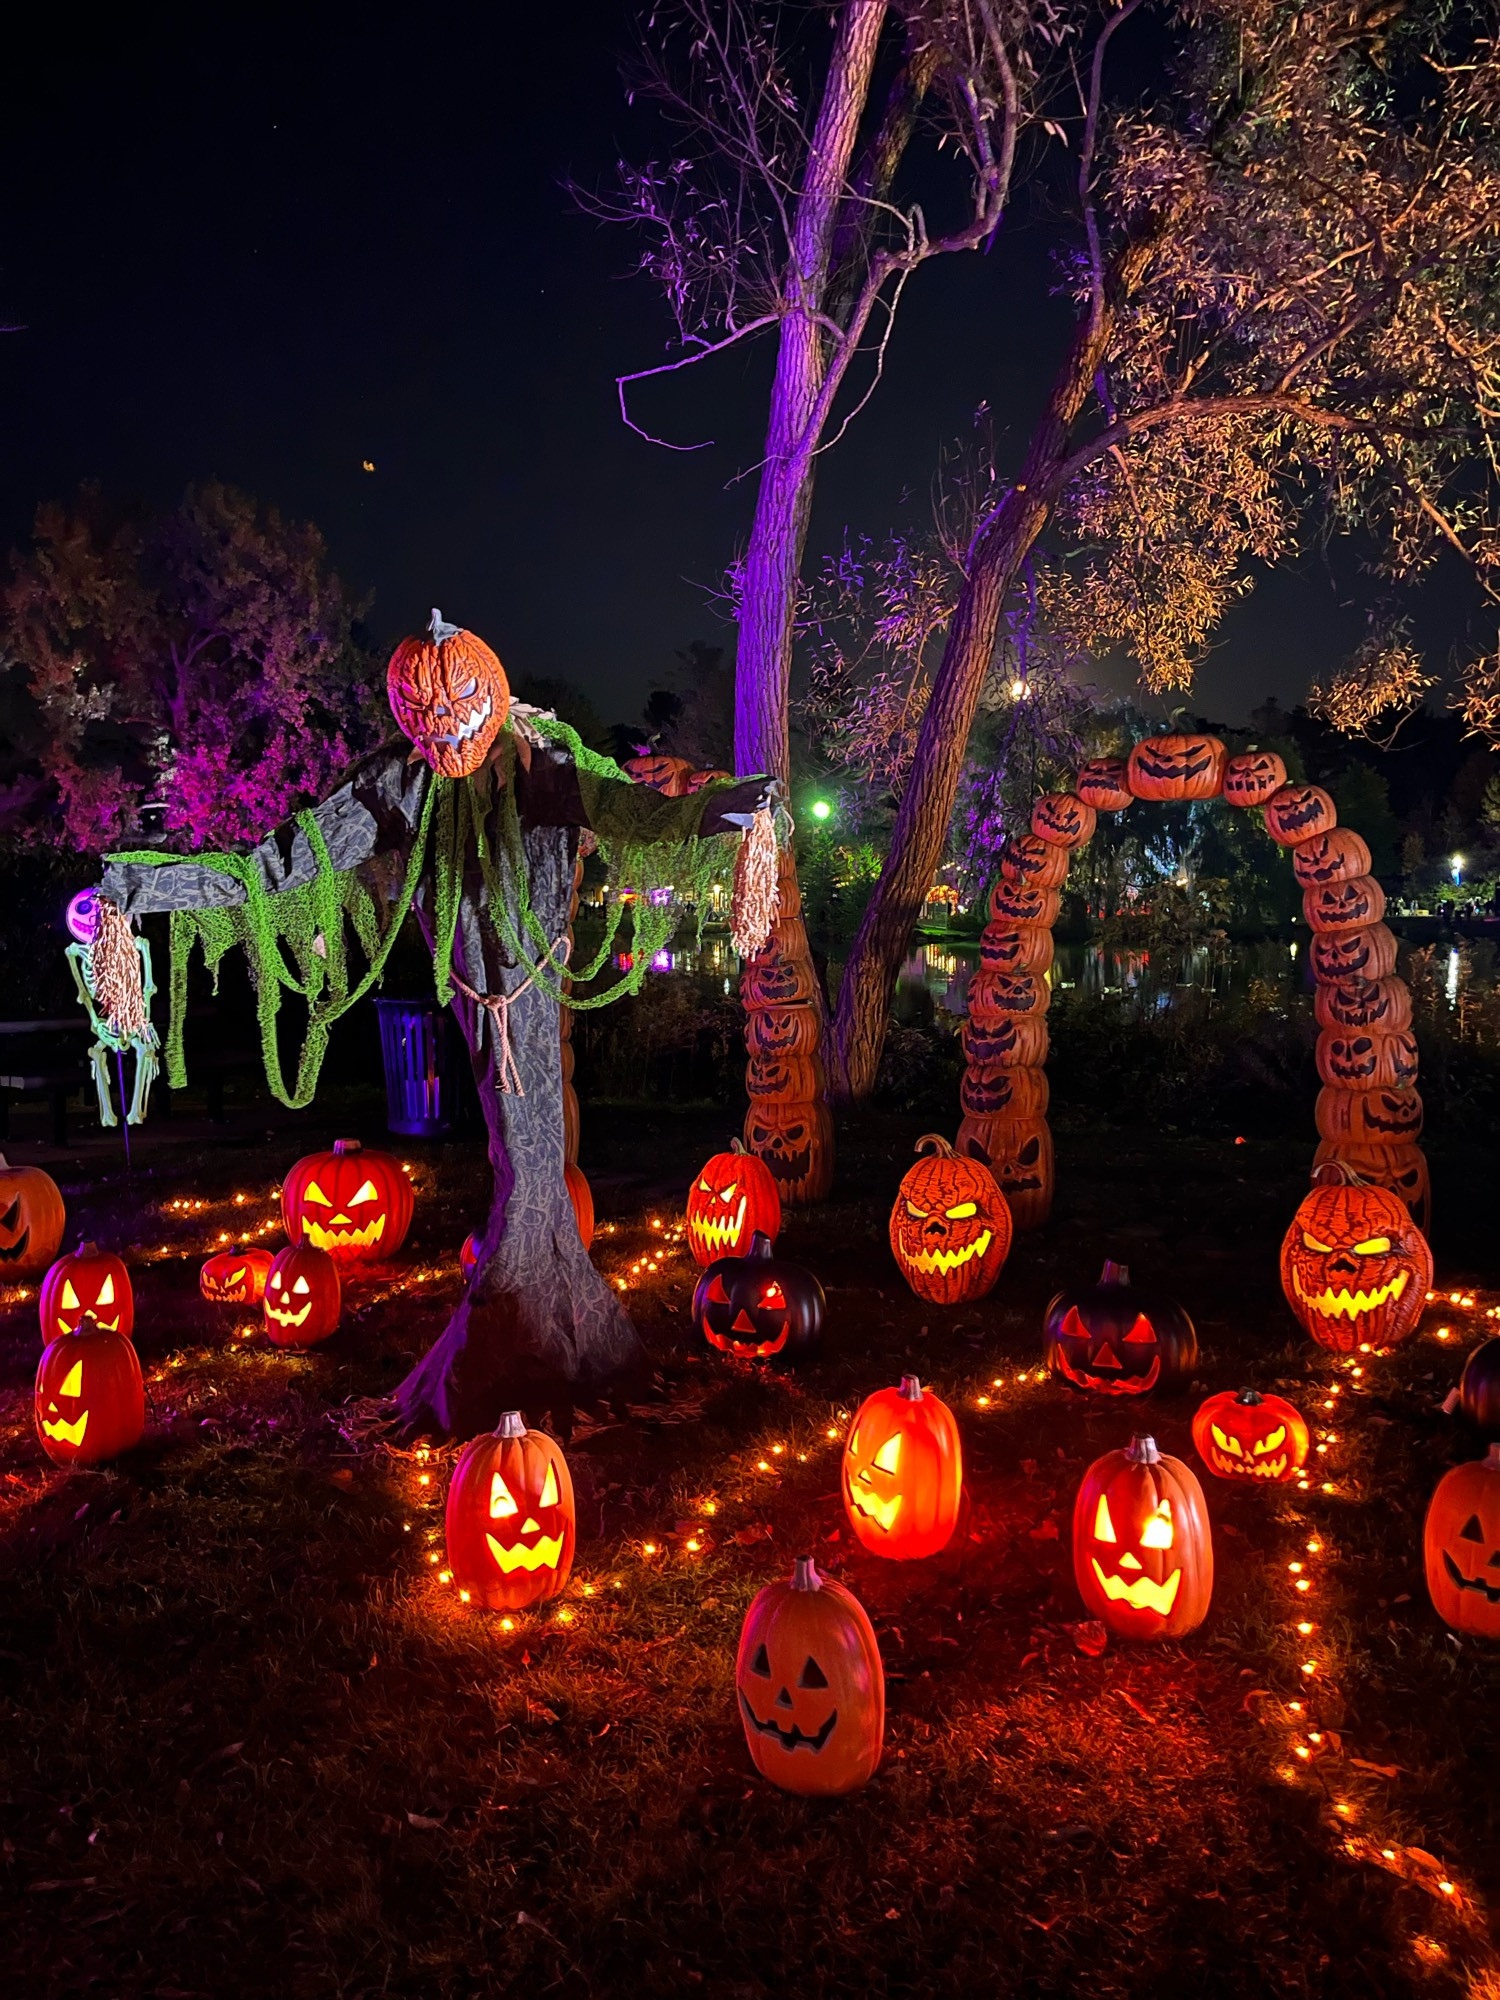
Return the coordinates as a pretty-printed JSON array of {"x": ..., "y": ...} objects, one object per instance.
[{"x": 555, "y": 791}]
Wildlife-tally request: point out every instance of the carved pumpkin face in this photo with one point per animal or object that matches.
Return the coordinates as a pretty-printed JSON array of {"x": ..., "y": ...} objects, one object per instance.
[
  {"x": 1379, "y": 1005},
  {"x": 1369, "y": 1117},
  {"x": 1371, "y": 953},
  {"x": 449, "y": 694},
  {"x": 810, "y": 1686},
  {"x": 510, "y": 1520},
  {"x": 1336, "y": 856},
  {"x": 671, "y": 776},
  {"x": 903, "y": 1472},
  {"x": 302, "y": 1299},
  {"x": 950, "y": 1227},
  {"x": 1143, "y": 1555},
  {"x": 1014, "y": 948},
  {"x": 1461, "y": 1547},
  {"x": 235, "y": 1277},
  {"x": 1104, "y": 784},
  {"x": 1018, "y": 1152},
  {"x": 1297, "y": 812},
  {"x": 1246, "y": 1436},
  {"x": 733, "y": 1199},
  {"x": 794, "y": 1140},
  {"x": 1401, "y": 1168},
  {"x": 1012, "y": 1041},
  {"x": 997, "y": 1092},
  {"x": 774, "y": 978},
  {"x": 354, "y": 1202},
  {"x": 759, "y": 1307},
  {"x": 994, "y": 994},
  {"x": 783, "y": 1031},
  {"x": 1479, "y": 1388},
  {"x": 1253, "y": 777},
  {"x": 1023, "y": 903},
  {"x": 1112, "y": 1339},
  {"x": 1344, "y": 906},
  {"x": 1356, "y": 1061},
  {"x": 1063, "y": 818},
  {"x": 1178, "y": 767},
  {"x": 31, "y": 1221},
  {"x": 714, "y": 776},
  {"x": 1025, "y": 858},
  {"x": 798, "y": 1077},
  {"x": 90, "y": 1401},
  {"x": 1354, "y": 1266},
  {"x": 88, "y": 1284}
]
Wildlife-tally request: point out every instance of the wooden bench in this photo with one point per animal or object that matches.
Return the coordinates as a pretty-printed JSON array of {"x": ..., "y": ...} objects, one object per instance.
[{"x": 58, "y": 1079}]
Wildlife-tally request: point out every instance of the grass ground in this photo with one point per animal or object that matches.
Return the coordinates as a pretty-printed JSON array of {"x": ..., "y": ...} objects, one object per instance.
[{"x": 250, "y": 1743}]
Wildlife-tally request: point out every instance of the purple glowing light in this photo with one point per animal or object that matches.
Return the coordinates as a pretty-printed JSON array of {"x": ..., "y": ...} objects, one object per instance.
[{"x": 82, "y": 915}]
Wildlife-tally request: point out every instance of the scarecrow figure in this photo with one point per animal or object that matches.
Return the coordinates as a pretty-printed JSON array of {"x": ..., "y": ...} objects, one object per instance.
[
  {"x": 112, "y": 971},
  {"x": 472, "y": 820}
]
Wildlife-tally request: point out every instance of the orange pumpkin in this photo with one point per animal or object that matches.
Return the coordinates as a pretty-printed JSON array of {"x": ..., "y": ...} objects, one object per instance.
[
  {"x": 1178, "y": 767},
  {"x": 1382, "y": 1006},
  {"x": 1104, "y": 784},
  {"x": 510, "y": 1520},
  {"x": 1063, "y": 818},
  {"x": 87, "y": 1283},
  {"x": 1143, "y": 1554},
  {"x": 1015, "y": 948},
  {"x": 950, "y": 1227},
  {"x": 235, "y": 1277},
  {"x": 1297, "y": 812},
  {"x": 997, "y": 1092},
  {"x": 1344, "y": 906},
  {"x": 1025, "y": 857},
  {"x": 1353, "y": 1060},
  {"x": 798, "y": 1077},
  {"x": 671, "y": 776},
  {"x": 90, "y": 1400},
  {"x": 32, "y": 1218},
  {"x": 302, "y": 1299},
  {"x": 1023, "y": 903},
  {"x": 1369, "y": 1117},
  {"x": 774, "y": 978},
  {"x": 1253, "y": 777},
  {"x": 1341, "y": 954},
  {"x": 903, "y": 1472},
  {"x": 1355, "y": 1268},
  {"x": 782, "y": 1031},
  {"x": 1461, "y": 1547},
  {"x": 810, "y": 1686},
  {"x": 1011, "y": 1040},
  {"x": 449, "y": 694},
  {"x": 729, "y": 1202},
  {"x": 998, "y": 996},
  {"x": 794, "y": 1138},
  {"x": 582, "y": 1197},
  {"x": 1249, "y": 1436},
  {"x": 1018, "y": 1152},
  {"x": 1336, "y": 856},
  {"x": 1401, "y": 1168},
  {"x": 354, "y": 1202},
  {"x": 698, "y": 779}
]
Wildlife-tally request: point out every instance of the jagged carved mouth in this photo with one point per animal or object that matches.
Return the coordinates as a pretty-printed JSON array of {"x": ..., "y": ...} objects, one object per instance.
[
  {"x": 11, "y": 1252},
  {"x": 881, "y": 1512},
  {"x": 1111, "y": 1385},
  {"x": 1265, "y": 1468},
  {"x": 745, "y": 1349},
  {"x": 718, "y": 1233},
  {"x": 1344, "y": 1304},
  {"x": 944, "y": 1261},
  {"x": 322, "y": 1237},
  {"x": 1489, "y": 1591},
  {"x": 1179, "y": 767},
  {"x": 789, "y": 1166},
  {"x": 545, "y": 1553},
  {"x": 284, "y": 1318},
  {"x": 466, "y": 730},
  {"x": 1141, "y": 1593},
  {"x": 795, "y": 1738},
  {"x": 62, "y": 1432}
]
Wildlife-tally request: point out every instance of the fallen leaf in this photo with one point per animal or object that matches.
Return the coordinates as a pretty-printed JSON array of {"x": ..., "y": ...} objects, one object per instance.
[
  {"x": 1089, "y": 1635},
  {"x": 1380, "y": 1770},
  {"x": 424, "y": 1822}
]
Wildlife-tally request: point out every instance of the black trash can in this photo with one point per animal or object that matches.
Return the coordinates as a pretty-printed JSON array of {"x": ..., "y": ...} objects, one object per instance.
[{"x": 421, "y": 1071}]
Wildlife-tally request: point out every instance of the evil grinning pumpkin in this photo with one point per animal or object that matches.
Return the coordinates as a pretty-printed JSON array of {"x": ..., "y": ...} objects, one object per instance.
[
  {"x": 1018, "y": 1152},
  {"x": 1104, "y": 784},
  {"x": 810, "y": 1685},
  {"x": 1369, "y": 1117},
  {"x": 1353, "y": 1060},
  {"x": 354, "y": 1202},
  {"x": 671, "y": 776},
  {"x": 1336, "y": 856},
  {"x": 1249, "y": 1436},
  {"x": 1382, "y": 1006},
  {"x": 1012, "y": 1041},
  {"x": 1025, "y": 858},
  {"x": 1401, "y": 1168},
  {"x": 731, "y": 1201},
  {"x": 510, "y": 1520},
  {"x": 798, "y": 1077},
  {"x": 995, "y": 1091},
  {"x": 1023, "y": 903},
  {"x": 1369, "y": 953},
  {"x": 1112, "y": 1339},
  {"x": 90, "y": 1400},
  {"x": 1015, "y": 948},
  {"x": 903, "y": 1472},
  {"x": 950, "y": 1226},
  {"x": 1063, "y": 818},
  {"x": 1253, "y": 777},
  {"x": 31, "y": 1221},
  {"x": 994, "y": 994},
  {"x": 759, "y": 1307},
  {"x": 1344, "y": 906},
  {"x": 1178, "y": 767},
  {"x": 1143, "y": 1555},
  {"x": 1461, "y": 1547},
  {"x": 1297, "y": 812},
  {"x": 302, "y": 1299},
  {"x": 449, "y": 694},
  {"x": 1355, "y": 1268},
  {"x": 235, "y": 1277},
  {"x": 793, "y": 1137},
  {"x": 87, "y": 1283},
  {"x": 783, "y": 1031}
]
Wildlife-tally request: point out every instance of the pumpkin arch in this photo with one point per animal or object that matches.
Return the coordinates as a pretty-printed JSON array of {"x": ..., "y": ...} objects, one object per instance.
[{"x": 1369, "y": 1113}]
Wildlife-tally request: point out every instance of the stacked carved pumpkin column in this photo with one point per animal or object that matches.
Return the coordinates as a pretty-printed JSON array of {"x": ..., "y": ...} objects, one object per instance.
[{"x": 788, "y": 1124}]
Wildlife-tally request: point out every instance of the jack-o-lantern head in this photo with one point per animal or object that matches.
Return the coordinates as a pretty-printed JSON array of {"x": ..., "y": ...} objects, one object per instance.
[
  {"x": 1063, "y": 818},
  {"x": 302, "y": 1299},
  {"x": 995, "y": 1091},
  {"x": 1381, "y": 1117},
  {"x": 799, "y": 1078},
  {"x": 31, "y": 1221},
  {"x": 810, "y": 1685},
  {"x": 1248, "y": 1436},
  {"x": 1113, "y": 1339},
  {"x": 903, "y": 1472},
  {"x": 1381, "y": 1006},
  {"x": 1354, "y": 1266},
  {"x": 950, "y": 1226},
  {"x": 1143, "y": 1555},
  {"x": 994, "y": 993},
  {"x": 1015, "y": 1041},
  {"x": 1178, "y": 767},
  {"x": 1461, "y": 1547},
  {"x": 1018, "y": 1152},
  {"x": 1104, "y": 784},
  {"x": 793, "y": 1138},
  {"x": 1253, "y": 777},
  {"x": 1402, "y": 1168},
  {"x": 1015, "y": 948},
  {"x": 777, "y": 978},
  {"x": 1354, "y": 1059},
  {"x": 1297, "y": 812},
  {"x": 1370, "y": 953},
  {"x": 355, "y": 1203},
  {"x": 235, "y": 1277},
  {"x": 1023, "y": 903},
  {"x": 510, "y": 1519},
  {"x": 1336, "y": 856},
  {"x": 449, "y": 694},
  {"x": 1024, "y": 858},
  {"x": 87, "y": 1283},
  {"x": 90, "y": 1400},
  {"x": 759, "y": 1307},
  {"x": 1344, "y": 906},
  {"x": 783, "y": 1031},
  {"x": 671, "y": 776},
  {"x": 730, "y": 1201}
]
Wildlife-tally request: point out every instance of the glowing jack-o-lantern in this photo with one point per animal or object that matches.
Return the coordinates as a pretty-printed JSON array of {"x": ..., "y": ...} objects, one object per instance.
[
  {"x": 87, "y": 1283},
  {"x": 950, "y": 1226},
  {"x": 90, "y": 1400},
  {"x": 32, "y": 1218},
  {"x": 1113, "y": 1339},
  {"x": 810, "y": 1684},
  {"x": 732, "y": 1200},
  {"x": 903, "y": 1472},
  {"x": 1248, "y": 1436},
  {"x": 449, "y": 694},
  {"x": 1143, "y": 1555},
  {"x": 302, "y": 1299},
  {"x": 510, "y": 1521},
  {"x": 354, "y": 1203},
  {"x": 1355, "y": 1268},
  {"x": 759, "y": 1307},
  {"x": 1461, "y": 1547},
  {"x": 235, "y": 1277}
]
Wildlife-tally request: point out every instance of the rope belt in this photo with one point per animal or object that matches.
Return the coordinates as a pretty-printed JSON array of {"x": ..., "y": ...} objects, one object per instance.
[{"x": 498, "y": 1006}]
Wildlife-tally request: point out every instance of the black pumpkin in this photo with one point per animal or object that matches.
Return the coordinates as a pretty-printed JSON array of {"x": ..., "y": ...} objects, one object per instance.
[
  {"x": 1479, "y": 1388},
  {"x": 759, "y": 1307},
  {"x": 1112, "y": 1339}
]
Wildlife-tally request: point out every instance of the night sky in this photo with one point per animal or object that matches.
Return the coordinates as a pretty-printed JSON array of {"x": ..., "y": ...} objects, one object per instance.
[{"x": 268, "y": 246}]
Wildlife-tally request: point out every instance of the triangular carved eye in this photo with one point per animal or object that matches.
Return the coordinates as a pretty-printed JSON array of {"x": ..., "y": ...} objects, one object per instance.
[
  {"x": 889, "y": 1455},
  {"x": 1471, "y": 1530},
  {"x": 549, "y": 1488},
  {"x": 717, "y": 1294},
  {"x": 106, "y": 1292},
  {"x": 761, "y": 1664},
  {"x": 774, "y": 1297},
  {"x": 366, "y": 1193},
  {"x": 502, "y": 1500},
  {"x": 1104, "y": 1527},
  {"x": 73, "y": 1386},
  {"x": 1142, "y": 1330},
  {"x": 69, "y": 1296},
  {"x": 812, "y": 1675}
]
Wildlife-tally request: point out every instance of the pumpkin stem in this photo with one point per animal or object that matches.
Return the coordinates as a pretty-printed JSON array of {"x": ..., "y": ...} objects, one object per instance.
[
  {"x": 760, "y": 1244},
  {"x": 1338, "y": 1173},
  {"x": 440, "y": 628},
  {"x": 805, "y": 1574},
  {"x": 1248, "y": 1398},
  {"x": 936, "y": 1143},
  {"x": 511, "y": 1425},
  {"x": 1142, "y": 1450},
  {"x": 86, "y": 1249},
  {"x": 911, "y": 1388},
  {"x": 736, "y": 1144},
  {"x": 1113, "y": 1273},
  {"x": 347, "y": 1146}
]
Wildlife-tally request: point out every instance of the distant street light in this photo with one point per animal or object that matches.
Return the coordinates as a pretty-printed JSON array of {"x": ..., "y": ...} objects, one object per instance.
[
  {"x": 1457, "y": 865},
  {"x": 821, "y": 809}
]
